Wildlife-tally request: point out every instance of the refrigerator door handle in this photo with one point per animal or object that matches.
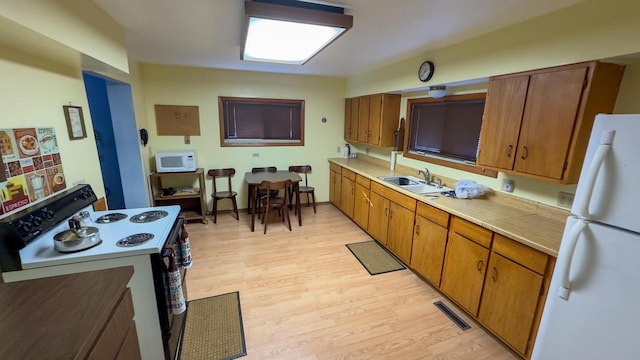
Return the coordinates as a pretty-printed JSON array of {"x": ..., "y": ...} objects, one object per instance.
[
  {"x": 574, "y": 235},
  {"x": 606, "y": 139}
]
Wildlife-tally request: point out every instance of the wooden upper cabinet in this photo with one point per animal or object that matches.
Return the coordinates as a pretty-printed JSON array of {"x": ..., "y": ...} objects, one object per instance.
[
  {"x": 348, "y": 105},
  {"x": 503, "y": 111},
  {"x": 372, "y": 119},
  {"x": 538, "y": 123},
  {"x": 363, "y": 119},
  {"x": 553, "y": 102}
]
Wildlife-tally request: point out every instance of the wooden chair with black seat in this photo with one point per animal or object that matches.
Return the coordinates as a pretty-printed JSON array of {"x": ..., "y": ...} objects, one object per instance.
[
  {"x": 261, "y": 192},
  {"x": 306, "y": 189},
  {"x": 219, "y": 195},
  {"x": 269, "y": 201}
]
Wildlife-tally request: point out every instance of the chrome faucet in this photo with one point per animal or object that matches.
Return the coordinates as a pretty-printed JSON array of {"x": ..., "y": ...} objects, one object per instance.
[{"x": 427, "y": 175}]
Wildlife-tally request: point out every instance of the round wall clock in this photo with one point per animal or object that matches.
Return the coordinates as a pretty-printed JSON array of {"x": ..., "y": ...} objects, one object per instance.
[{"x": 425, "y": 71}]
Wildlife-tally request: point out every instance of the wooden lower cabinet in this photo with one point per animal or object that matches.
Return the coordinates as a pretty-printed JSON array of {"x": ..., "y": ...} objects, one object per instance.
[
  {"x": 400, "y": 233},
  {"x": 464, "y": 269},
  {"x": 391, "y": 218},
  {"x": 514, "y": 292},
  {"x": 361, "y": 202},
  {"x": 427, "y": 255},
  {"x": 335, "y": 182},
  {"x": 347, "y": 192},
  {"x": 378, "y": 217},
  {"x": 509, "y": 301}
]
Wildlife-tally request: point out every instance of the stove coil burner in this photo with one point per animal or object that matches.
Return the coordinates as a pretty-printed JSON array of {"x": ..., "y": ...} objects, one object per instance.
[
  {"x": 134, "y": 240},
  {"x": 110, "y": 218},
  {"x": 148, "y": 216}
]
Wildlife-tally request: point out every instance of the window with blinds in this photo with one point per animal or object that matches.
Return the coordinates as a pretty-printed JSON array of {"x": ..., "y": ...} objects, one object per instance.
[
  {"x": 447, "y": 129},
  {"x": 261, "y": 122}
]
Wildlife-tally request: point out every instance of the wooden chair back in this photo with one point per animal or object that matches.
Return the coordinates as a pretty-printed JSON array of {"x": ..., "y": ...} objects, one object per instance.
[
  {"x": 219, "y": 173},
  {"x": 268, "y": 169}
]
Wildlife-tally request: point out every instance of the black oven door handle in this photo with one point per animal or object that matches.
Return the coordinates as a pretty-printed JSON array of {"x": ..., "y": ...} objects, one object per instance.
[{"x": 173, "y": 238}]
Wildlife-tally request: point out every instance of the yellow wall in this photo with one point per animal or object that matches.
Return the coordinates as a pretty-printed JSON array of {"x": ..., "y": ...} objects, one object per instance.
[
  {"x": 44, "y": 46},
  {"x": 324, "y": 98},
  {"x": 594, "y": 29},
  {"x": 80, "y": 25}
]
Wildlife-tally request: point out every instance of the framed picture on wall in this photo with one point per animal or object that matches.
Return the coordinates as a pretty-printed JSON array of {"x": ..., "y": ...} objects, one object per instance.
[{"x": 75, "y": 122}]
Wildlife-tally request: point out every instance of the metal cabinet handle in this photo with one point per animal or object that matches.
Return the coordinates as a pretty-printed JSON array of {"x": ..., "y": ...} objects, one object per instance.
[
  {"x": 386, "y": 211},
  {"x": 390, "y": 214},
  {"x": 525, "y": 152},
  {"x": 494, "y": 274},
  {"x": 508, "y": 152},
  {"x": 479, "y": 265},
  {"x": 418, "y": 230}
]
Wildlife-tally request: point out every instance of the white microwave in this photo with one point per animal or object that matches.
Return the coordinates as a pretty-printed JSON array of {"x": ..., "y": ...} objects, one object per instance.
[{"x": 176, "y": 161}]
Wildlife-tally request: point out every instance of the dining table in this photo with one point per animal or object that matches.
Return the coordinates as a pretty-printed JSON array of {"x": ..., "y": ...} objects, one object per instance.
[{"x": 254, "y": 180}]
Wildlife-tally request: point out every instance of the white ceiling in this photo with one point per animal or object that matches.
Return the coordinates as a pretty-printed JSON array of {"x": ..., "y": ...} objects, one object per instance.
[{"x": 207, "y": 33}]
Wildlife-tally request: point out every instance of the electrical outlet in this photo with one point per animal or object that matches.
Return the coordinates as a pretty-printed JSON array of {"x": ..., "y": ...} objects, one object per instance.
[
  {"x": 508, "y": 185},
  {"x": 565, "y": 199},
  {"x": 255, "y": 155}
]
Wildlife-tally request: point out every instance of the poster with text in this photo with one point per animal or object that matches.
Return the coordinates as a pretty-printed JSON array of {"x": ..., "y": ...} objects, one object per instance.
[{"x": 32, "y": 167}]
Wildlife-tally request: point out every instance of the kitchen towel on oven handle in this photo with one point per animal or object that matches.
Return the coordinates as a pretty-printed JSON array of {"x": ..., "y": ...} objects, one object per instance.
[
  {"x": 183, "y": 248},
  {"x": 176, "y": 298}
]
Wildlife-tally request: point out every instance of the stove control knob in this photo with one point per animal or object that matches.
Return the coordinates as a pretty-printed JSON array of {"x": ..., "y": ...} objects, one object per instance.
[
  {"x": 36, "y": 221},
  {"x": 85, "y": 194},
  {"x": 24, "y": 226},
  {"x": 47, "y": 214}
]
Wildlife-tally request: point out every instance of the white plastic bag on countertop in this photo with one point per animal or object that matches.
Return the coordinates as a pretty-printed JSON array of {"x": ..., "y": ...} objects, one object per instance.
[{"x": 469, "y": 189}]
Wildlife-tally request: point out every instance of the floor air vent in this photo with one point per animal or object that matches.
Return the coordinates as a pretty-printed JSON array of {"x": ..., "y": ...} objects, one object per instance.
[{"x": 451, "y": 315}]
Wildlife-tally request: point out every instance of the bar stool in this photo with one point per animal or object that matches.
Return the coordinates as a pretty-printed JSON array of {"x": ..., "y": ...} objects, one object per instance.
[
  {"x": 219, "y": 195},
  {"x": 306, "y": 189}
]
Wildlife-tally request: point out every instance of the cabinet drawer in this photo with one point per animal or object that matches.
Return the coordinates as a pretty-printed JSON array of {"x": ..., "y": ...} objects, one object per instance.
[
  {"x": 336, "y": 168},
  {"x": 472, "y": 231},
  {"x": 521, "y": 254},
  {"x": 114, "y": 332},
  {"x": 348, "y": 174},
  {"x": 400, "y": 199},
  {"x": 363, "y": 181},
  {"x": 436, "y": 215}
]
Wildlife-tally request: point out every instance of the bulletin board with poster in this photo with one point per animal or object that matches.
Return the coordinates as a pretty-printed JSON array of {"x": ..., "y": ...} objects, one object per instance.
[{"x": 31, "y": 167}]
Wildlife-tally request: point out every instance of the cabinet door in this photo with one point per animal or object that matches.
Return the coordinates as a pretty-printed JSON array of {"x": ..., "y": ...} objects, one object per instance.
[
  {"x": 348, "y": 190},
  {"x": 361, "y": 206},
  {"x": 375, "y": 119},
  {"x": 501, "y": 121},
  {"x": 464, "y": 269},
  {"x": 352, "y": 109},
  {"x": 348, "y": 104},
  {"x": 378, "y": 217},
  {"x": 334, "y": 188},
  {"x": 509, "y": 301},
  {"x": 363, "y": 119},
  {"x": 400, "y": 235},
  {"x": 553, "y": 100},
  {"x": 427, "y": 254}
]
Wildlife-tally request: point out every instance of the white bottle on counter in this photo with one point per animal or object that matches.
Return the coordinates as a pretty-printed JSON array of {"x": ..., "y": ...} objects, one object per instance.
[{"x": 347, "y": 151}]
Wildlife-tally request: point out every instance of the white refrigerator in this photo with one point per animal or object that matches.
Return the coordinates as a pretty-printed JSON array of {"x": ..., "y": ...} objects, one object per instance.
[{"x": 592, "y": 309}]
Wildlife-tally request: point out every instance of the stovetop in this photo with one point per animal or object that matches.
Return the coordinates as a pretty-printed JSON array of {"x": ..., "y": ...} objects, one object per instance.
[{"x": 40, "y": 252}]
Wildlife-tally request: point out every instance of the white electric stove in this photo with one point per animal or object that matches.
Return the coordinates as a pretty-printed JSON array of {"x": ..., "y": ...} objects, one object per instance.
[
  {"x": 41, "y": 253},
  {"x": 27, "y": 252}
]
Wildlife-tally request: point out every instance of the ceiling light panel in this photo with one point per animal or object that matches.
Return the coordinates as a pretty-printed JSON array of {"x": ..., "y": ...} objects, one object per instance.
[{"x": 289, "y": 35}]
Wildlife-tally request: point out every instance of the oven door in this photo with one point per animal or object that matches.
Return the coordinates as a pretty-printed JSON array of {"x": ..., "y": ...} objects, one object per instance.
[{"x": 170, "y": 325}]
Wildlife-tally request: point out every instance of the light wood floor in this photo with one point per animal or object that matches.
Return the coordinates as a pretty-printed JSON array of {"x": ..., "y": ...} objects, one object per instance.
[{"x": 304, "y": 295}]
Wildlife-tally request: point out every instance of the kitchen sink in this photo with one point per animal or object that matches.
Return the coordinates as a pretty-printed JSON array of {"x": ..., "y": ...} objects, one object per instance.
[{"x": 414, "y": 184}]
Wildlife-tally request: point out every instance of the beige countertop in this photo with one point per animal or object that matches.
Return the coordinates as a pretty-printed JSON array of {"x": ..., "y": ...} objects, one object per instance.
[{"x": 533, "y": 224}]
